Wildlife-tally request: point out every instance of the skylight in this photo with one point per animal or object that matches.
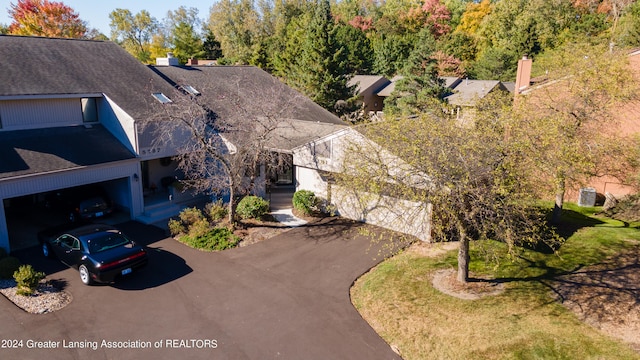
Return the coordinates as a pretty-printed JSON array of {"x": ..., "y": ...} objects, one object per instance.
[
  {"x": 162, "y": 98},
  {"x": 191, "y": 90}
]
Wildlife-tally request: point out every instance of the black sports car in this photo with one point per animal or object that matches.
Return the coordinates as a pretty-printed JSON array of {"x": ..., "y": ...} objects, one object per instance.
[{"x": 100, "y": 252}]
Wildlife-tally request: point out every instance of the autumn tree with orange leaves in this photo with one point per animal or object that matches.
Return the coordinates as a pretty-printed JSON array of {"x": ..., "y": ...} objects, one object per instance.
[{"x": 45, "y": 18}]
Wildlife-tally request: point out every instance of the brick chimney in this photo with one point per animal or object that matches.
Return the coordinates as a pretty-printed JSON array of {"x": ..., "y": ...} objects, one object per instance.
[{"x": 523, "y": 76}]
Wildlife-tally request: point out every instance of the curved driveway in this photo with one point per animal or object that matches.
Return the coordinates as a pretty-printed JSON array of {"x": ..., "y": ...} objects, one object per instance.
[{"x": 283, "y": 298}]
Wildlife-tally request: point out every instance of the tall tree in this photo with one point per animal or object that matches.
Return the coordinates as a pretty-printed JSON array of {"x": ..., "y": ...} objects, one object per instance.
[
  {"x": 466, "y": 178},
  {"x": 134, "y": 33},
  {"x": 495, "y": 63},
  {"x": 322, "y": 71},
  {"x": 289, "y": 45},
  {"x": 567, "y": 124},
  {"x": 45, "y": 18},
  {"x": 182, "y": 24},
  {"x": 522, "y": 27},
  {"x": 438, "y": 17},
  {"x": 472, "y": 17},
  {"x": 420, "y": 88},
  {"x": 234, "y": 24},
  {"x": 159, "y": 46},
  {"x": 456, "y": 9},
  {"x": 390, "y": 53},
  {"x": 211, "y": 46},
  {"x": 358, "y": 48}
]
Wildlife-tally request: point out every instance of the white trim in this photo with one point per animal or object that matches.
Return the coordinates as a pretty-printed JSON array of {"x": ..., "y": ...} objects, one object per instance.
[{"x": 49, "y": 96}]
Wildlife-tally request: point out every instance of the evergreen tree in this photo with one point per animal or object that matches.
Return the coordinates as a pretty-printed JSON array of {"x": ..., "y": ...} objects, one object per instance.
[
  {"x": 211, "y": 47},
  {"x": 420, "y": 88},
  {"x": 322, "y": 69},
  {"x": 186, "y": 42},
  {"x": 358, "y": 49}
]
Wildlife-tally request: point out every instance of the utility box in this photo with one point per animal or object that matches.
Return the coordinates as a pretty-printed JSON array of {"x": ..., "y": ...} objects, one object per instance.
[{"x": 587, "y": 197}]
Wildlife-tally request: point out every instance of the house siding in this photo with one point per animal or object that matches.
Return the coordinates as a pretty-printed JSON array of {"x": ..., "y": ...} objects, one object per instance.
[
  {"x": 119, "y": 123},
  {"x": 411, "y": 218},
  {"x": 41, "y": 113}
]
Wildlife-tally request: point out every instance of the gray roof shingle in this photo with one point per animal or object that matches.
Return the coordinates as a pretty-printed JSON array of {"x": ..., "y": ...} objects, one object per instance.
[
  {"x": 254, "y": 93},
  {"x": 252, "y": 87},
  {"x": 51, "y": 66},
  {"x": 26, "y": 152},
  {"x": 468, "y": 92}
]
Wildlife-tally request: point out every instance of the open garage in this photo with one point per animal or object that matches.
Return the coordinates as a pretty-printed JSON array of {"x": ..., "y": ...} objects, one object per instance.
[
  {"x": 40, "y": 162},
  {"x": 26, "y": 215},
  {"x": 27, "y": 202}
]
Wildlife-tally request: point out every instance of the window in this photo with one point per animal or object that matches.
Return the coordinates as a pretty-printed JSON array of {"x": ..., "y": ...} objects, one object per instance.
[
  {"x": 162, "y": 98},
  {"x": 89, "y": 110},
  {"x": 191, "y": 90},
  {"x": 69, "y": 242}
]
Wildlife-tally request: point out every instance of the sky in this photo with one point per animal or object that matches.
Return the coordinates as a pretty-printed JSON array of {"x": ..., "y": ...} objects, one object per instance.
[{"x": 96, "y": 13}]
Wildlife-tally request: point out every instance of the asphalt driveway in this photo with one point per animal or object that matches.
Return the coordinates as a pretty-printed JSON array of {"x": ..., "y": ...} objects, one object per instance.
[{"x": 283, "y": 298}]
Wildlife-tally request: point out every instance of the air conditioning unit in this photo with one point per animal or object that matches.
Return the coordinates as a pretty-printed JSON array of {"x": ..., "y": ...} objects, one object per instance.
[{"x": 587, "y": 197}]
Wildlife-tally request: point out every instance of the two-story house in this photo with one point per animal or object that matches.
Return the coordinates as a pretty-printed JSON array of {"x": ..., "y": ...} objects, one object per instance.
[{"x": 71, "y": 114}]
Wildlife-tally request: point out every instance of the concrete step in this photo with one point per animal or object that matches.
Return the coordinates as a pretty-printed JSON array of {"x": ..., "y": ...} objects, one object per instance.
[{"x": 159, "y": 212}]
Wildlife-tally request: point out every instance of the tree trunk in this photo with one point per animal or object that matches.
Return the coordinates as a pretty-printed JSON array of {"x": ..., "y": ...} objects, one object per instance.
[
  {"x": 463, "y": 258},
  {"x": 232, "y": 206},
  {"x": 557, "y": 207},
  {"x": 428, "y": 236}
]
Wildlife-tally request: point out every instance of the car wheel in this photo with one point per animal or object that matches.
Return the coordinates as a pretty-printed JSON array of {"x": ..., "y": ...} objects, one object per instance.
[
  {"x": 85, "y": 276},
  {"x": 46, "y": 251}
]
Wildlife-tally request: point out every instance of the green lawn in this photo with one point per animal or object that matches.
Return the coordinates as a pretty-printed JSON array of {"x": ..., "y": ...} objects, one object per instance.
[{"x": 524, "y": 322}]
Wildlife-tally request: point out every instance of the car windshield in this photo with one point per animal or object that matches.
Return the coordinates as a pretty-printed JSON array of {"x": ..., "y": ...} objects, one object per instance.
[{"x": 106, "y": 241}]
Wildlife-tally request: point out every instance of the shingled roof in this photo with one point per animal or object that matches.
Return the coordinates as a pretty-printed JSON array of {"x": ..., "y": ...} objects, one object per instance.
[
  {"x": 26, "y": 152},
  {"x": 251, "y": 91},
  {"x": 49, "y": 66}
]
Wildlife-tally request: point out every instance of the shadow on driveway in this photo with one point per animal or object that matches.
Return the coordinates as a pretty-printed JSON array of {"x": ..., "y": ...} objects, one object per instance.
[{"x": 164, "y": 267}]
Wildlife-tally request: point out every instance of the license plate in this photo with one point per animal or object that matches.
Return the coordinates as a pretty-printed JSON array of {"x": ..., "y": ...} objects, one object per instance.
[
  {"x": 99, "y": 213},
  {"x": 126, "y": 271}
]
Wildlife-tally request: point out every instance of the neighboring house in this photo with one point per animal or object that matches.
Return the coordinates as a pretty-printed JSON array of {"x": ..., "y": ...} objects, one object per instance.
[
  {"x": 367, "y": 88},
  {"x": 390, "y": 87},
  {"x": 317, "y": 162},
  {"x": 466, "y": 93},
  {"x": 463, "y": 93},
  {"x": 71, "y": 113},
  {"x": 626, "y": 122}
]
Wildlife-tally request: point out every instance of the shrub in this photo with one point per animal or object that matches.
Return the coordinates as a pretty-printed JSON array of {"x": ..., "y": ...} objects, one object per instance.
[
  {"x": 27, "y": 279},
  {"x": 217, "y": 210},
  {"x": 190, "y": 216},
  {"x": 216, "y": 239},
  {"x": 8, "y": 266},
  {"x": 252, "y": 207},
  {"x": 199, "y": 228},
  {"x": 305, "y": 201},
  {"x": 176, "y": 227}
]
